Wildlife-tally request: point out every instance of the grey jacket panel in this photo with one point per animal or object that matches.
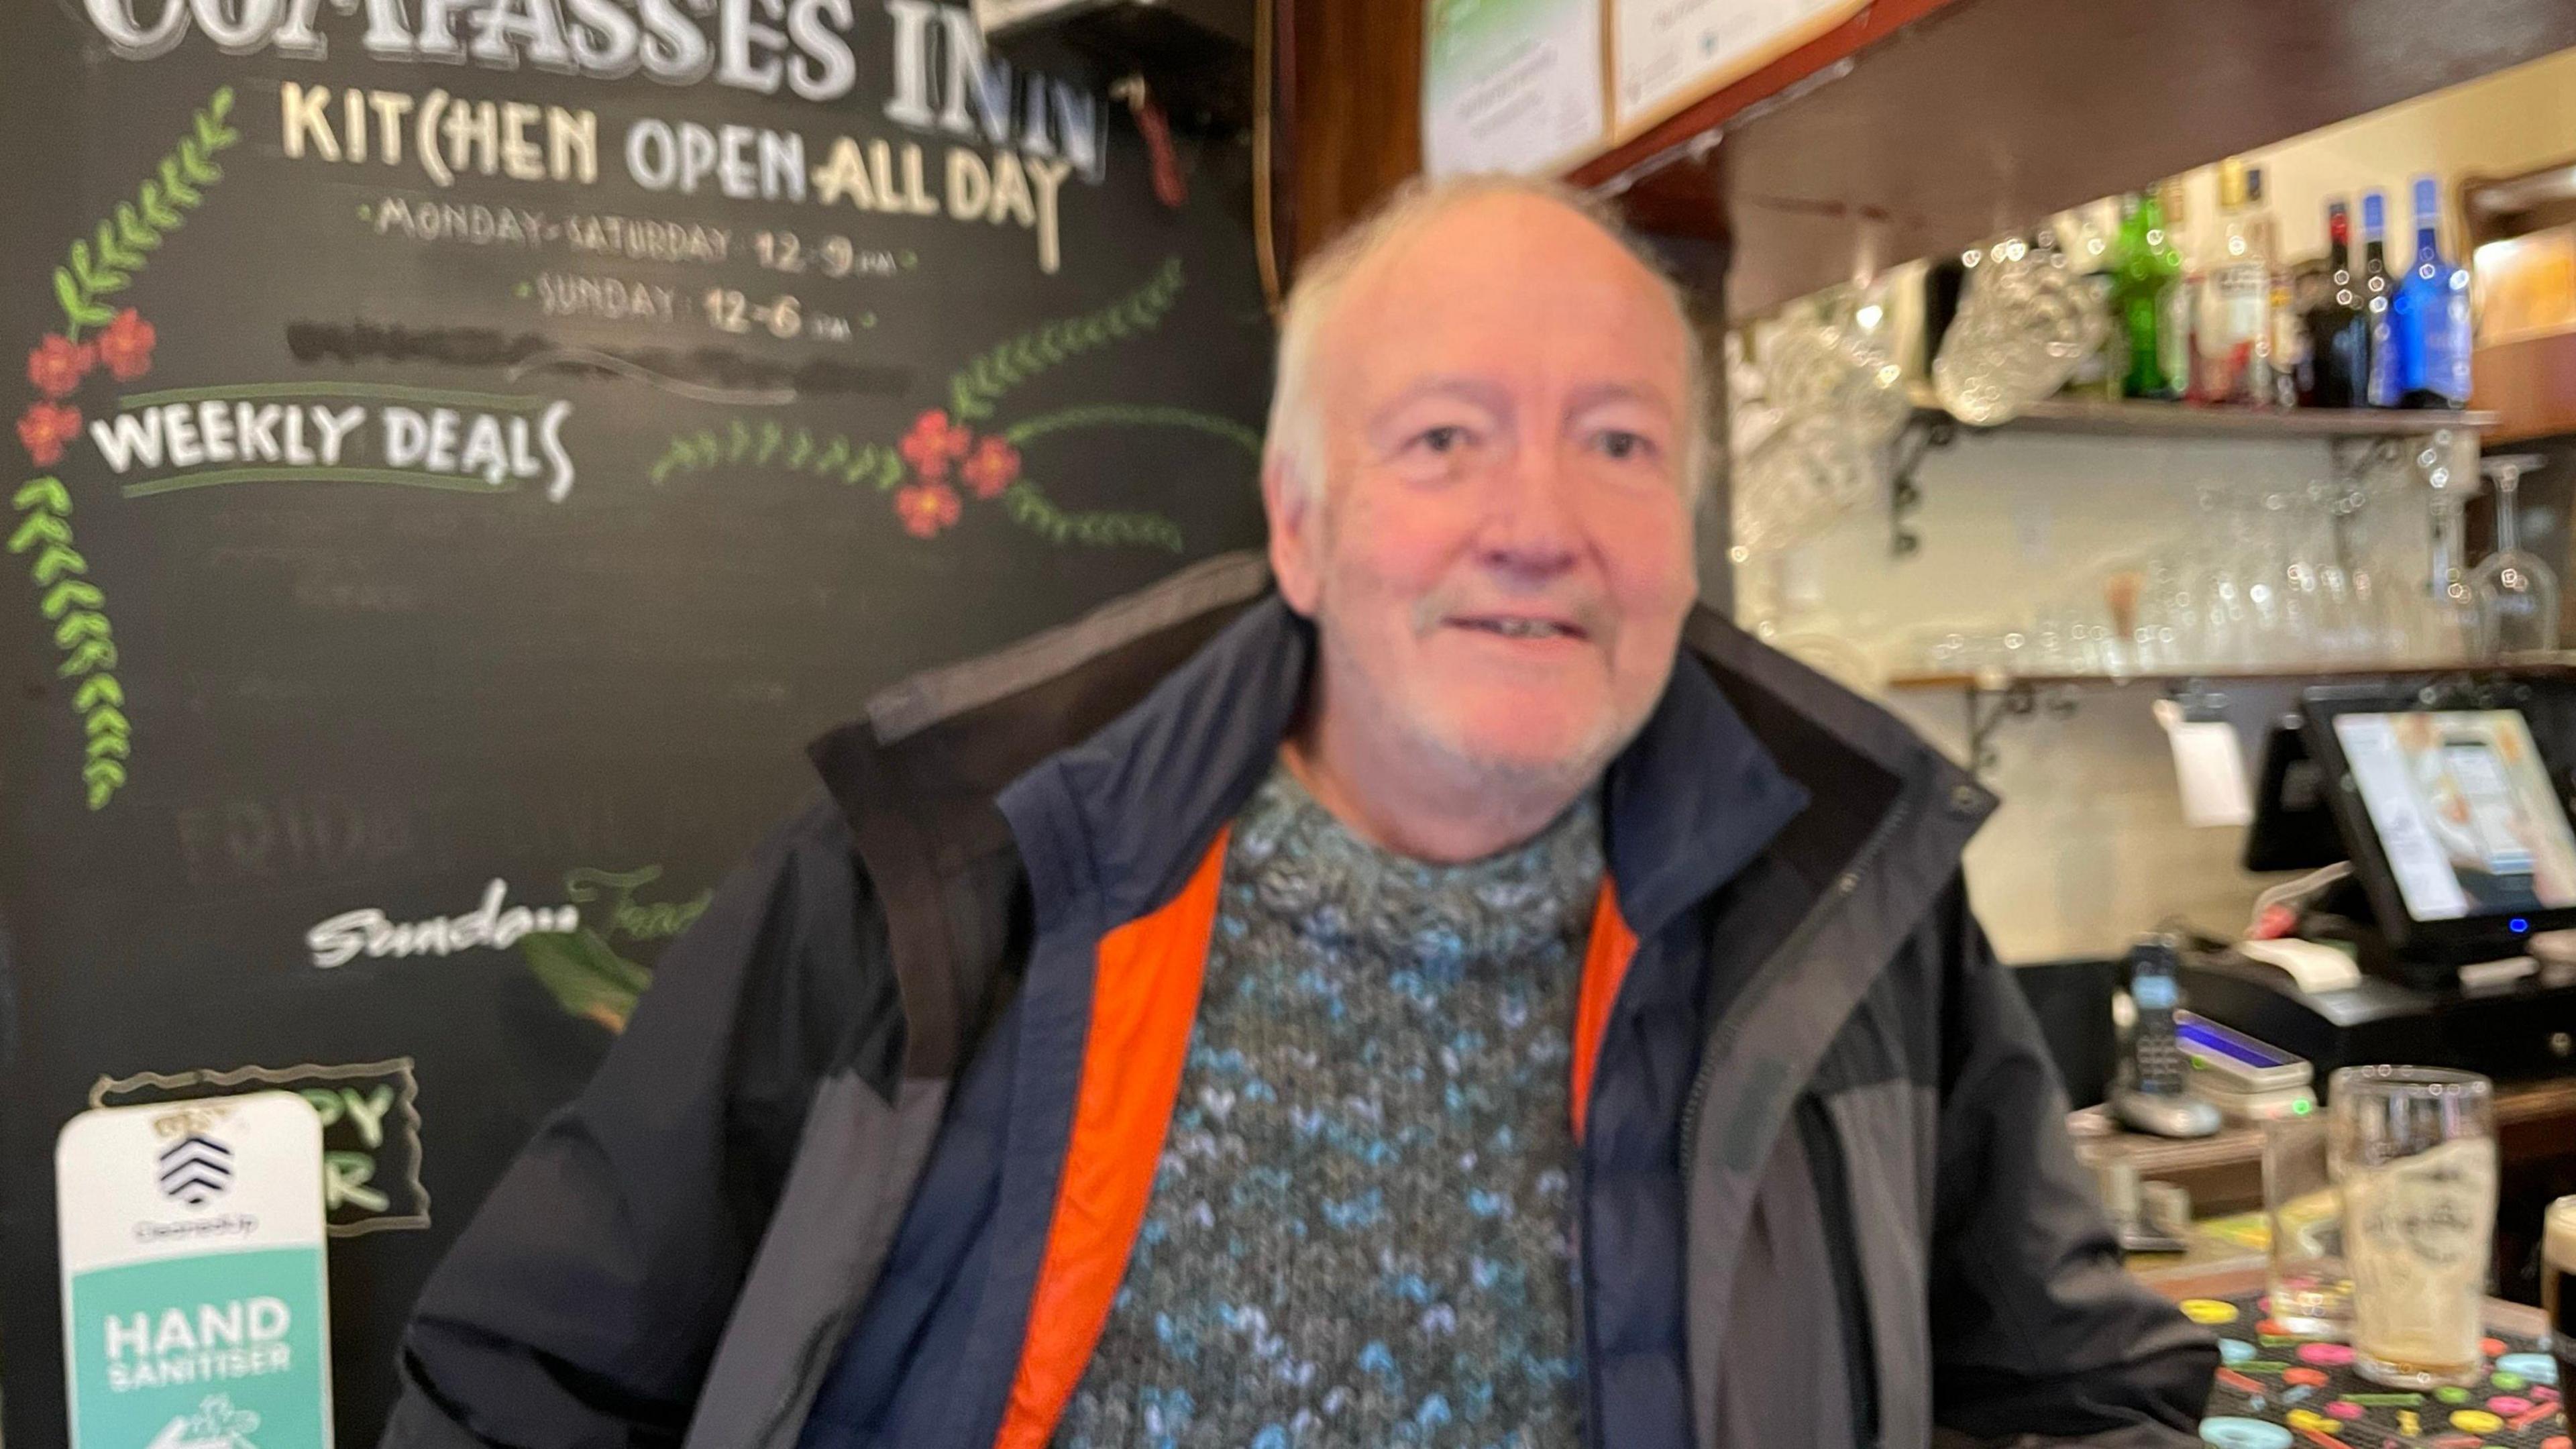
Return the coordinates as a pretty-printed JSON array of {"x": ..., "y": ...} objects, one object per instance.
[
  {"x": 2136, "y": 1436},
  {"x": 1886, "y": 1134},
  {"x": 1784, "y": 1382},
  {"x": 585, "y": 1302},
  {"x": 1998, "y": 1311},
  {"x": 855, "y": 1171},
  {"x": 905, "y": 709}
]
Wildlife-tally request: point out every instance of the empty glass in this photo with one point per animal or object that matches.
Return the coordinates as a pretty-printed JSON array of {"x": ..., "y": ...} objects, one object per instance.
[
  {"x": 2239, "y": 597},
  {"x": 2447, "y": 622},
  {"x": 2517, "y": 594},
  {"x": 2413, "y": 1152},
  {"x": 1811, "y": 417},
  {"x": 2310, "y": 1286},
  {"x": 1807, "y": 473},
  {"x": 2026, "y": 322},
  {"x": 2366, "y": 569}
]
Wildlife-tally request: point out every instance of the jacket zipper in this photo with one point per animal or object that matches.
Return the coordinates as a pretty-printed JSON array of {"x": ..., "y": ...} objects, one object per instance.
[
  {"x": 1827, "y": 1170},
  {"x": 1817, "y": 917}
]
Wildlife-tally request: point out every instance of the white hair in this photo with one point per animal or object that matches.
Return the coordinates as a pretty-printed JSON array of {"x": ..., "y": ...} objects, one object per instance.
[{"x": 1296, "y": 437}]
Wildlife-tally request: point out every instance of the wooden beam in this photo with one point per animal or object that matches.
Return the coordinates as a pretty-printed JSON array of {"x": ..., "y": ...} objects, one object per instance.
[{"x": 1356, "y": 99}]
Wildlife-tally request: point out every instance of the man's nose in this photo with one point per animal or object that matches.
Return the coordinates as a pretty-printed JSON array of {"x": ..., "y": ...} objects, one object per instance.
[{"x": 1529, "y": 528}]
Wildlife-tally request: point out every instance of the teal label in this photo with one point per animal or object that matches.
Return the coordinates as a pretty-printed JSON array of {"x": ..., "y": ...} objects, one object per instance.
[{"x": 217, "y": 1351}]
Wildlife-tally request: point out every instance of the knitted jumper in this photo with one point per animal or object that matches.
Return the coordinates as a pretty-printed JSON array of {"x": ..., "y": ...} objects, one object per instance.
[{"x": 1359, "y": 1233}]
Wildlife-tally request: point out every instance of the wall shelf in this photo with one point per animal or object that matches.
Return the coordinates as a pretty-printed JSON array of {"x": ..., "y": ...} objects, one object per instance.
[
  {"x": 1998, "y": 682},
  {"x": 2188, "y": 420},
  {"x": 1992, "y": 697},
  {"x": 2368, "y": 429}
]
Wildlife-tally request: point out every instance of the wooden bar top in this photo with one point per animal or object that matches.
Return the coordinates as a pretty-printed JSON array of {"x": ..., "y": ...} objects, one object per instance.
[{"x": 2224, "y": 1173}]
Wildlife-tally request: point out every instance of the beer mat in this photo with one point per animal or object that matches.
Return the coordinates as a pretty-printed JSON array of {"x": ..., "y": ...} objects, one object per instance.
[{"x": 2279, "y": 1390}]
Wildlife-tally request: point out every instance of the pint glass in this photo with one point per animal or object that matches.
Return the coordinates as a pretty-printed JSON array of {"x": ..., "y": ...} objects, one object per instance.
[
  {"x": 2311, "y": 1288},
  {"x": 2413, "y": 1149}
]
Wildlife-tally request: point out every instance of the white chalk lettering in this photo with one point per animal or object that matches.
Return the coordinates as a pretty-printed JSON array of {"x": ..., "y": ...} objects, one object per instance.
[{"x": 375, "y": 935}]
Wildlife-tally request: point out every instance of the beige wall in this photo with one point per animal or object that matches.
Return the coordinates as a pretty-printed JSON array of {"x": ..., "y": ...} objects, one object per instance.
[
  {"x": 2515, "y": 120},
  {"x": 2090, "y": 849}
]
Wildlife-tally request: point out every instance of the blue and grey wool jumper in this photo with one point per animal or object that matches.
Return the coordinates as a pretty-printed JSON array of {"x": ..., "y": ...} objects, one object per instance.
[{"x": 1359, "y": 1228}]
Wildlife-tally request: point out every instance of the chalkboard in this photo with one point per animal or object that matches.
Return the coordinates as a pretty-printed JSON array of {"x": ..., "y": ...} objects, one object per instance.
[{"x": 464, "y": 448}]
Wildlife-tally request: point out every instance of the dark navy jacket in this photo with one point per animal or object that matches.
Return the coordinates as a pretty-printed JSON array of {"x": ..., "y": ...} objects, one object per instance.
[{"x": 867, "y": 1167}]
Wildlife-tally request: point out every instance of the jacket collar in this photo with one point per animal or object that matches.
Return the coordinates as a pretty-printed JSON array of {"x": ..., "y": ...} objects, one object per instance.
[
  {"x": 1114, "y": 825},
  {"x": 1691, "y": 801}
]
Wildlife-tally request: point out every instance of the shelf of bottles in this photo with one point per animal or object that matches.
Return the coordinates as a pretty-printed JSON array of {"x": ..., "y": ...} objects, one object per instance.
[{"x": 2237, "y": 340}]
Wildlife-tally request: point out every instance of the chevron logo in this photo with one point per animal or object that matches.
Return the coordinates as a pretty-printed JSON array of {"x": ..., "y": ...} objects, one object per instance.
[{"x": 195, "y": 1168}]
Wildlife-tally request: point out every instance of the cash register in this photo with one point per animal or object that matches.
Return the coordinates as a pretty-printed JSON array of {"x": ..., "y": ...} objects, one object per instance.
[{"x": 2450, "y": 804}]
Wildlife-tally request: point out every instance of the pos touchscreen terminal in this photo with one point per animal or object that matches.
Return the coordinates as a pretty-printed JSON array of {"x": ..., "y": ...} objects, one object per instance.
[
  {"x": 2455, "y": 824},
  {"x": 2453, "y": 812}
]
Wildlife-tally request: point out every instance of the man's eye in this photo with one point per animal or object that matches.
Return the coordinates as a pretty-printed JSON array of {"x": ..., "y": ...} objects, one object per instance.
[
  {"x": 1620, "y": 446},
  {"x": 1447, "y": 438}
]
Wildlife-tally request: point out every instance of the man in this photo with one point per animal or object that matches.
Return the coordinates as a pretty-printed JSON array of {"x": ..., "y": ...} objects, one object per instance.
[{"x": 1456, "y": 995}]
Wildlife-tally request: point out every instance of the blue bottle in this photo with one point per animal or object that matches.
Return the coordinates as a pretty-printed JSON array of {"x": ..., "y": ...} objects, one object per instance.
[
  {"x": 2429, "y": 323},
  {"x": 2378, "y": 289}
]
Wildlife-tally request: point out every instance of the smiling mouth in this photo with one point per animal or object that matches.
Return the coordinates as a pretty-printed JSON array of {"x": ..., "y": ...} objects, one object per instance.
[{"x": 1521, "y": 628}]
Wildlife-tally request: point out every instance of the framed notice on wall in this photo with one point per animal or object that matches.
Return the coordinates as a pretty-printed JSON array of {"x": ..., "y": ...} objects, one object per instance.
[
  {"x": 1666, "y": 54},
  {"x": 1511, "y": 85}
]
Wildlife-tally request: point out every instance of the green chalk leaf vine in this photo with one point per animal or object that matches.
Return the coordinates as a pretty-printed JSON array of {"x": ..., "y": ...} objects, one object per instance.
[
  {"x": 972, "y": 392},
  {"x": 75, "y": 609},
  {"x": 99, "y": 336},
  {"x": 135, "y": 228},
  {"x": 918, "y": 470}
]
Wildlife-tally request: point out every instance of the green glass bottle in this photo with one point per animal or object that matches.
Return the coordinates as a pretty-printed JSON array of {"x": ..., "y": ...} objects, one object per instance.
[{"x": 2146, "y": 284}]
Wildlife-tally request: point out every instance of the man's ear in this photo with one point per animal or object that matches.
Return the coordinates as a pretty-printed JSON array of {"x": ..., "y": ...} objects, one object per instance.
[{"x": 1296, "y": 533}]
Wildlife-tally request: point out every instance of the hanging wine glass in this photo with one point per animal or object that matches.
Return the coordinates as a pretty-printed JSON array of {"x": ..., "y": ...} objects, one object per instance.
[
  {"x": 2444, "y": 623},
  {"x": 2450, "y": 625},
  {"x": 2517, "y": 592}
]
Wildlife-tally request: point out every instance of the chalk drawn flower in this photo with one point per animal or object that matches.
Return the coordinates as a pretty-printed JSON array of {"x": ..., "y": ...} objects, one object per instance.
[
  {"x": 992, "y": 467},
  {"x": 126, "y": 345},
  {"x": 926, "y": 508},
  {"x": 45, "y": 428},
  {"x": 933, "y": 444},
  {"x": 963, "y": 449},
  {"x": 58, "y": 364}
]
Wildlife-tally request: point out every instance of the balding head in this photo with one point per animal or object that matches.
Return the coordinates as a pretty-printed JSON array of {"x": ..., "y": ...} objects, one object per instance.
[
  {"x": 1479, "y": 483},
  {"x": 1325, "y": 285}
]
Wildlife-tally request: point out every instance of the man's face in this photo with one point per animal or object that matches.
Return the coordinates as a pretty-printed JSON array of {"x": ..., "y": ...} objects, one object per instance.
[{"x": 1500, "y": 559}]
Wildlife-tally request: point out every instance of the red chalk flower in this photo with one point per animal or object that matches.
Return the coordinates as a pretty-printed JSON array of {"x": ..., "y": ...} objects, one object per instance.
[
  {"x": 926, "y": 508},
  {"x": 992, "y": 467},
  {"x": 45, "y": 428},
  {"x": 58, "y": 364},
  {"x": 126, "y": 345},
  {"x": 933, "y": 444}
]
